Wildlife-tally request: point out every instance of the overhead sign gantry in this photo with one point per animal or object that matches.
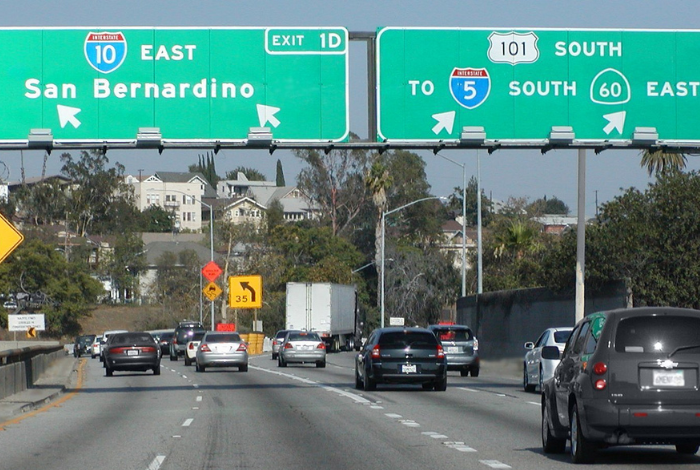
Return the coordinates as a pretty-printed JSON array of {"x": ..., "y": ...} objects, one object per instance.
[
  {"x": 114, "y": 85},
  {"x": 536, "y": 85}
]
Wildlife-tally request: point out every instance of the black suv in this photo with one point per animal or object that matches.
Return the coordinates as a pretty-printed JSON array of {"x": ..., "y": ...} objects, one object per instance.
[
  {"x": 627, "y": 376},
  {"x": 183, "y": 334},
  {"x": 83, "y": 345},
  {"x": 401, "y": 355}
]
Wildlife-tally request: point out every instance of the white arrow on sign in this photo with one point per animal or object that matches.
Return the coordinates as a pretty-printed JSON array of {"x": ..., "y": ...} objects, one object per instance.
[
  {"x": 615, "y": 121},
  {"x": 267, "y": 114},
  {"x": 67, "y": 114},
  {"x": 444, "y": 121}
]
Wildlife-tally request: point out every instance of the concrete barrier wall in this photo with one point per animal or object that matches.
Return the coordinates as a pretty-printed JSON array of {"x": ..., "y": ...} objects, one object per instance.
[
  {"x": 21, "y": 368},
  {"x": 503, "y": 321}
]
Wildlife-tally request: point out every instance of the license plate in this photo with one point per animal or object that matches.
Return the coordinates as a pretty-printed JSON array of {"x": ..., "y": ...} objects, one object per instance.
[
  {"x": 132, "y": 352},
  {"x": 409, "y": 369},
  {"x": 452, "y": 349},
  {"x": 669, "y": 378}
]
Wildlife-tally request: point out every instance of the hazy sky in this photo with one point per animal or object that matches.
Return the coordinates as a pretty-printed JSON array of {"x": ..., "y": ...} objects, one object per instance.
[{"x": 505, "y": 173}]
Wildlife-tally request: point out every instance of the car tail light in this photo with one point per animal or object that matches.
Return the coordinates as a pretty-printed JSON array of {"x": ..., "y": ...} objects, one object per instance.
[
  {"x": 288, "y": 346},
  {"x": 321, "y": 345},
  {"x": 600, "y": 368},
  {"x": 274, "y": 342},
  {"x": 174, "y": 341},
  {"x": 117, "y": 350},
  {"x": 476, "y": 344},
  {"x": 204, "y": 347},
  {"x": 600, "y": 384},
  {"x": 190, "y": 346},
  {"x": 242, "y": 347},
  {"x": 148, "y": 349},
  {"x": 440, "y": 352},
  {"x": 375, "y": 352}
]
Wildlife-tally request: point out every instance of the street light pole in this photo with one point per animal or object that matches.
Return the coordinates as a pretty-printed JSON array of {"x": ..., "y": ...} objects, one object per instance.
[
  {"x": 464, "y": 221},
  {"x": 384, "y": 214}
]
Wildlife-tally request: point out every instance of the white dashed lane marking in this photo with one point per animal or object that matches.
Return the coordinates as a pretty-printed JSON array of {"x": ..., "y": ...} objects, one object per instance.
[
  {"x": 156, "y": 463},
  {"x": 494, "y": 464},
  {"x": 187, "y": 422}
]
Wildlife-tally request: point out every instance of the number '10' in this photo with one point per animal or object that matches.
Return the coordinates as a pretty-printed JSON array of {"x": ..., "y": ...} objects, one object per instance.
[
  {"x": 106, "y": 54},
  {"x": 513, "y": 48}
]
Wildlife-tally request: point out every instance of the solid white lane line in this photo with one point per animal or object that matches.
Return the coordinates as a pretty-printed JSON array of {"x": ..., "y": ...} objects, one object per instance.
[
  {"x": 187, "y": 422},
  {"x": 468, "y": 389},
  {"x": 157, "y": 462},
  {"x": 536, "y": 403}
]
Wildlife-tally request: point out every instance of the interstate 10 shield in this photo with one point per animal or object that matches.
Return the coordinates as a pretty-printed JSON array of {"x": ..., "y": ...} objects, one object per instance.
[
  {"x": 470, "y": 87},
  {"x": 105, "y": 51}
]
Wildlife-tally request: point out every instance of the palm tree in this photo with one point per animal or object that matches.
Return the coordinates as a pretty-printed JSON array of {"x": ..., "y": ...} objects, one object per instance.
[
  {"x": 518, "y": 238},
  {"x": 659, "y": 161},
  {"x": 378, "y": 181}
]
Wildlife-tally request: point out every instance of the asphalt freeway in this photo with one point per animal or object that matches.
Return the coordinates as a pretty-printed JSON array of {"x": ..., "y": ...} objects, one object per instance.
[{"x": 296, "y": 417}]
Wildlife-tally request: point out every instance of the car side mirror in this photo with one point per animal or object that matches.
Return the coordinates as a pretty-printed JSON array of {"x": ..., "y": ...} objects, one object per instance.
[
  {"x": 550, "y": 352},
  {"x": 529, "y": 345}
]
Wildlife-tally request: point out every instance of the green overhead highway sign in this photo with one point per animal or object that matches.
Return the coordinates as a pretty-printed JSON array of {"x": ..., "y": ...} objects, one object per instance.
[
  {"x": 193, "y": 84},
  {"x": 519, "y": 84}
]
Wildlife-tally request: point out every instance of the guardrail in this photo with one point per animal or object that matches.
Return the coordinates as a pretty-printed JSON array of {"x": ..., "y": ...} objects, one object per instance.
[{"x": 20, "y": 368}]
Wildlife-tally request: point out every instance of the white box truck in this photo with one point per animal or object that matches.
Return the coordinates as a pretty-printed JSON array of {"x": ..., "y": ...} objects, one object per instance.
[{"x": 330, "y": 310}]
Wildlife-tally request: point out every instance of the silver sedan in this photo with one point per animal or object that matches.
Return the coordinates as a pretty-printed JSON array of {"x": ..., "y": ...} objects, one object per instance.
[
  {"x": 537, "y": 369},
  {"x": 302, "y": 347},
  {"x": 222, "y": 349}
]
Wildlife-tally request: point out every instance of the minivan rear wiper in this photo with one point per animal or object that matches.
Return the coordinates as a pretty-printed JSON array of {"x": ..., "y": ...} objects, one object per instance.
[{"x": 681, "y": 348}]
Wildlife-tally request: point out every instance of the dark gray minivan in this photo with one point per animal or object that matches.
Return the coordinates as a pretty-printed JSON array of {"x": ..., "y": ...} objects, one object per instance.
[{"x": 626, "y": 377}]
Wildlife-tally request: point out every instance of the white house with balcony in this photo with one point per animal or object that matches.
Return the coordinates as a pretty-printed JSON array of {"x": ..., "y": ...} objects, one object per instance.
[{"x": 180, "y": 193}]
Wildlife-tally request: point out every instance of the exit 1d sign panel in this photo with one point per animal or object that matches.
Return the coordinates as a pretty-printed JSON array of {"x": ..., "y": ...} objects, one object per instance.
[
  {"x": 195, "y": 84},
  {"x": 519, "y": 83}
]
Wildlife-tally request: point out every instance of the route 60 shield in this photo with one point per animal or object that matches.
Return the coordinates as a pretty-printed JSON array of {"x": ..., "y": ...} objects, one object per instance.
[
  {"x": 105, "y": 51},
  {"x": 470, "y": 87}
]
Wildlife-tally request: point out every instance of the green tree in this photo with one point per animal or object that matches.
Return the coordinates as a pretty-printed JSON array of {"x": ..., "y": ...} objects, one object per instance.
[
  {"x": 658, "y": 161},
  {"x": 176, "y": 286},
  {"x": 274, "y": 215},
  {"x": 546, "y": 205},
  {"x": 251, "y": 173},
  {"x": 455, "y": 204},
  {"x": 378, "y": 181},
  {"x": 279, "y": 176},
  {"x": 66, "y": 289},
  {"x": 128, "y": 260},
  {"x": 99, "y": 198},
  {"x": 156, "y": 219},
  {"x": 334, "y": 182},
  {"x": 650, "y": 239}
]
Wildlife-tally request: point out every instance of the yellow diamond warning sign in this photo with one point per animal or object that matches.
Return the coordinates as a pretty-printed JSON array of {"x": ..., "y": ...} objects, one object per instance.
[
  {"x": 10, "y": 238},
  {"x": 212, "y": 291}
]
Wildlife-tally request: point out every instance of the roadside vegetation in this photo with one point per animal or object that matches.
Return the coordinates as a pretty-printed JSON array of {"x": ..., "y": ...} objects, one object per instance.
[{"x": 647, "y": 237}]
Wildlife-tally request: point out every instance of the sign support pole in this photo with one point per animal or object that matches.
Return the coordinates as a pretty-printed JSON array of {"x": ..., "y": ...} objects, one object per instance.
[{"x": 581, "y": 236}]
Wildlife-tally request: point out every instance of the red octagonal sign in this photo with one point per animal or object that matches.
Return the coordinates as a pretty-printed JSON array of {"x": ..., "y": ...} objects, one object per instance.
[{"x": 211, "y": 271}]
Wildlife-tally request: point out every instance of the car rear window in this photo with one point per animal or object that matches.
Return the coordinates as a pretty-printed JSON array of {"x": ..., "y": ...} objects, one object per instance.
[
  {"x": 226, "y": 338},
  {"x": 132, "y": 338},
  {"x": 453, "y": 334},
  {"x": 403, "y": 340},
  {"x": 658, "y": 334},
  {"x": 304, "y": 337},
  {"x": 561, "y": 337},
  {"x": 188, "y": 333}
]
